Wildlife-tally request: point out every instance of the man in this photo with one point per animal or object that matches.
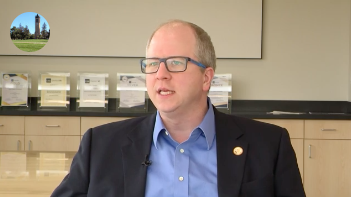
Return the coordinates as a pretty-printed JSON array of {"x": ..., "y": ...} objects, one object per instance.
[{"x": 187, "y": 148}]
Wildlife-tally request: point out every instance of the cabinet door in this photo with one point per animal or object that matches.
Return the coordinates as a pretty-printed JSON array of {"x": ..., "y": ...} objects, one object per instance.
[
  {"x": 54, "y": 125},
  {"x": 90, "y": 122},
  {"x": 298, "y": 148},
  {"x": 11, "y": 142},
  {"x": 327, "y": 168},
  {"x": 52, "y": 143},
  {"x": 12, "y": 125}
]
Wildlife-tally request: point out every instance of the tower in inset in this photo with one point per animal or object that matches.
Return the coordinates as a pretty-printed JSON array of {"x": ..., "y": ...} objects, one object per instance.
[{"x": 37, "y": 26}]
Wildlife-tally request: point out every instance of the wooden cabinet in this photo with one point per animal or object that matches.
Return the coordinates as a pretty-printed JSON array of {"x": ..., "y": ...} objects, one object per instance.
[
  {"x": 12, "y": 125},
  {"x": 90, "y": 122},
  {"x": 52, "y": 143},
  {"x": 322, "y": 147},
  {"x": 327, "y": 158},
  {"x": 11, "y": 142},
  {"x": 327, "y": 168},
  {"x": 54, "y": 125},
  {"x": 11, "y": 133},
  {"x": 52, "y": 133},
  {"x": 328, "y": 129},
  {"x": 296, "y": 132}
]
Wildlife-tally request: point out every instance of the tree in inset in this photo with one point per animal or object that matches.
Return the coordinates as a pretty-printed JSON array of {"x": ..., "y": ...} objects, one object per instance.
[
  {"x": 13, "y": 32},
  {"x": 26, "y": 33},
  {"x": 20, "y": 32},
  {"x": 44, "y": 32}
]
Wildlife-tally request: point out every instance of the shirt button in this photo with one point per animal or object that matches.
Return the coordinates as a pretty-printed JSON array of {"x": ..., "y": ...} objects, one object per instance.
[
  {"x": 181, "y": 178},
  {"x": 166, "y": 132},
  {"x": 181, "y": 150}
]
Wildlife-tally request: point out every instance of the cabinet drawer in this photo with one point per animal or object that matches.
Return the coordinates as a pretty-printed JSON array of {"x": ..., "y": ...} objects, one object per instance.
[
  {"x": 294, "y": 127},
  {"x": 52, "y": 143},
  {"x": 327, "y": 129},
  {"x": 52, "y": 125},
  {"x": 11, "y": 142},
  {"x": 90, "y": 122},
  {"x": 12, "y": 125}
]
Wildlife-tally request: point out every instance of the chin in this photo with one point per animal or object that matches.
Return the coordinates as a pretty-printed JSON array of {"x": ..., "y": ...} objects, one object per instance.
[{"x": 165, "y": 108}]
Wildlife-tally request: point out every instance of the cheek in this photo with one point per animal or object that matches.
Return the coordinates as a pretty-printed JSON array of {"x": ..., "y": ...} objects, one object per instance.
[
  {"x": 149, "y": 79},
  {"x": 193, "y": 82},
  {"x": 149, "y": 83}
]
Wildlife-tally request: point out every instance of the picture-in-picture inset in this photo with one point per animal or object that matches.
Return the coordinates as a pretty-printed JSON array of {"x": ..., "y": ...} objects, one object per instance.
[{"x": 30, "y": 32}]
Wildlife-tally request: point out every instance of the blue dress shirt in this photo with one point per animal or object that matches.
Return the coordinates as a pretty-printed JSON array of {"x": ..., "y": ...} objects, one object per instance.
[{"x": 188, "y": 169}]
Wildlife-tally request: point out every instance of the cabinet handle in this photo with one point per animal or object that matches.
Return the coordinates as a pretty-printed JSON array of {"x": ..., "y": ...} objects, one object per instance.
[
  {"x": 309, "y": 151},
  {"x": 328, "y": 129},
  {"x": 18, "y": 145},
  {"x": 1, "y": 125},
  {"x": 52, "y": 125},
  {"x": 29, "y": 144}
]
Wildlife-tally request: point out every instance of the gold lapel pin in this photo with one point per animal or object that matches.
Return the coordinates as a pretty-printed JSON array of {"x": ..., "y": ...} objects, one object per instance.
[{"x": 238, "y": 151}]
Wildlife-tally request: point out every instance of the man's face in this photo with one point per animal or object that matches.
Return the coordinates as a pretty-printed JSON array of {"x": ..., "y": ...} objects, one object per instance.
[{"x": 181, "y": 91}]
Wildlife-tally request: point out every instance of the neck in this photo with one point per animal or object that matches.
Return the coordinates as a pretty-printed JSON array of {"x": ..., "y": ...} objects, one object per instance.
[{"x": 179, "y": 125}]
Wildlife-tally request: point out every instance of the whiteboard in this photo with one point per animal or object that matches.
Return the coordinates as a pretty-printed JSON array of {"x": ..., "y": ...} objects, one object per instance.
[{"x": 121, "y": 28}]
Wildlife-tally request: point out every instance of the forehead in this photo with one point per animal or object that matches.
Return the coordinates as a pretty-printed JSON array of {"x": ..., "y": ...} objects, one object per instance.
[{"x": 172, "y": 40}]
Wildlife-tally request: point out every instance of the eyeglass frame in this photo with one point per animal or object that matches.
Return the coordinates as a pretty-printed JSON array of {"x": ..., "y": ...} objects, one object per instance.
[{"x": 164, "y": 60}]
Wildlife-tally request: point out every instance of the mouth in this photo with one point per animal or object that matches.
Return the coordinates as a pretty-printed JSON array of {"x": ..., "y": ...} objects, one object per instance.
[{"x": 165, "y": 92}]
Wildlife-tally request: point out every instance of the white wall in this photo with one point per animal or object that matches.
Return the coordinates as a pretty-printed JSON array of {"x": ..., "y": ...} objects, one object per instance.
[
  {"x": 306, "y": 56},
  {"x": 305, "y": 53},
  {"x": 81, "y": 24}
]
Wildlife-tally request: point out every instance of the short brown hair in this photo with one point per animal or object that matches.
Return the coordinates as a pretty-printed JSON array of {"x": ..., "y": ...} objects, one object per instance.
[{"x": 204, "y": 48}]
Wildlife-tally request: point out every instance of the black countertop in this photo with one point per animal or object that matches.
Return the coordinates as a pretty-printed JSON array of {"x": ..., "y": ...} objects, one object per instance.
[
  {"x": 254, "y": 109},
  {"x": 251, "y": 115}
]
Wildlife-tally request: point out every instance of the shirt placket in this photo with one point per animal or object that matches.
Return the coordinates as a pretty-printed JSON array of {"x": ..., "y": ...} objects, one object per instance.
[{"x": 181, "y": 171}]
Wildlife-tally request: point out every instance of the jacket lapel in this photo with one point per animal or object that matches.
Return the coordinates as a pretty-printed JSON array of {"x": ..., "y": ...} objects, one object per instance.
[
  {"x": 230, "y": 165},
  {"x": 134, "y": 154}
]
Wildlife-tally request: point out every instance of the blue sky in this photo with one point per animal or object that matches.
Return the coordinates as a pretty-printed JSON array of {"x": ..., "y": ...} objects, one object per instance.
[{"x": 28, "y": 18}]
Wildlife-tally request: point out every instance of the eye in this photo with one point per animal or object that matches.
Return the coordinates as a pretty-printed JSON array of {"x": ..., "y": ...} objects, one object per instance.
[
  {"x": 151, "y": 64},
  {"x": 176, "y": 63}
]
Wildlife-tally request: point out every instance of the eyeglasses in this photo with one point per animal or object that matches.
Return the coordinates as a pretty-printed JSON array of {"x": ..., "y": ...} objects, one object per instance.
[{"x": 173, "y": 64}]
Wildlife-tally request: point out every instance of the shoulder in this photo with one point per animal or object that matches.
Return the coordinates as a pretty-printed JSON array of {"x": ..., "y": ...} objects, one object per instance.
[
  {"x": 263, "y": 138},
  {"x": 129, "y": 123},
  {"x": 117, "y": 131},
  {"x": 247, "y": 123},
  {"x": 251, "y": 124},
  {"x": 253, "y": 129}
]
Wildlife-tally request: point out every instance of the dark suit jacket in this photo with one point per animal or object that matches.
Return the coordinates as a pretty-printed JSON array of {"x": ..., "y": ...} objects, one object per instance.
[{"x": 108, "y": 162}]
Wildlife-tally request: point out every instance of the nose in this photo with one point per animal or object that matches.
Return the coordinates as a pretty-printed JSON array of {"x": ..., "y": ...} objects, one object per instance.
[{"x": 162, "y": 72}]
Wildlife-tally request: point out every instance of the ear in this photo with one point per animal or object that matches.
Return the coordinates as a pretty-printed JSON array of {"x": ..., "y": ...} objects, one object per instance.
[{"x": 208, "y": 76}]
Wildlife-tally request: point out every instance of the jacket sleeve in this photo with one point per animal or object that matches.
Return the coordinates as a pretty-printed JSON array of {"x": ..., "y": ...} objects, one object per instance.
[
  {"x": 76, "y": 182},
  {"x": 288, "y": 181}
]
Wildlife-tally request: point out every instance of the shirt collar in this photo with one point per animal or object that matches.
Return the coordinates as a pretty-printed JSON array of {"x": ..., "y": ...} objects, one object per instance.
[
  {"x": 159, "y": 127},
  {"x": 207, "y": 126}
]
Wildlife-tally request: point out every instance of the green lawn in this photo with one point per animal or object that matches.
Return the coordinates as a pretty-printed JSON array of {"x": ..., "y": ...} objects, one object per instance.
[{"x": 30, "y": 45}]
